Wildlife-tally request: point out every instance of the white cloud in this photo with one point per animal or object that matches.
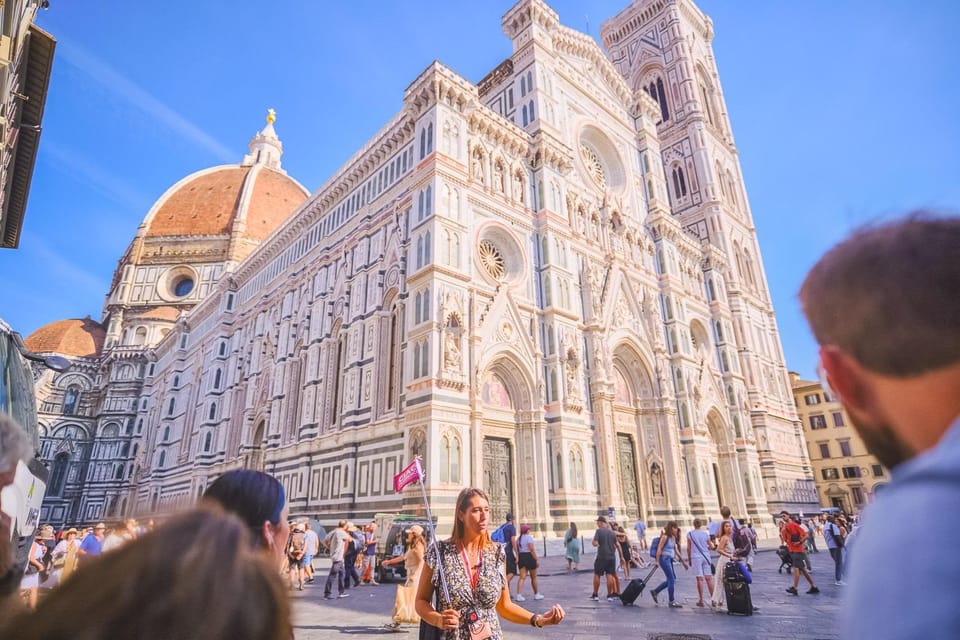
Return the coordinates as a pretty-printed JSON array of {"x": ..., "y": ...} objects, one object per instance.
[{"x": 110, "y": 78}]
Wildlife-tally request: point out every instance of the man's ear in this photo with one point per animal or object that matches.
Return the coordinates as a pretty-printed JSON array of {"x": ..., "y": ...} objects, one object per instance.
[
  {"x": 846, "y": 377},
  {"x": 268, "y": 533}
]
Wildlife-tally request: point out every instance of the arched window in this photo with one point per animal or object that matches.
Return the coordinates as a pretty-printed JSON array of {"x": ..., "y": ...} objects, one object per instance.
[
  {"x": 171, "y": 406},
  {"x": 162, "y": 459},
  {"x": 657, "y": 92},
  {"x": 419, "y": 252},
  {"x": 125, "y": 451},
  {"x": 58, "y": 476},
  {"x": 423, "y": 143},
  {"x": 455, "y": 461},
  {"x": 428, "y": 208},
  {"x": 216, "y": 379},
  {"x": 426, "y": 305},
  {"x": 212, "y": 413},
  {"x": 71, "y": 401},
  {"x": 392, "y": 363},
  {"x": 576, "y": 469},
  {"x": 444, "y": 459},
  {"x": 223, "y": 349},
  {"x": 559, "y": 473},
  {"x": 679, "y": 182},
  {"x": 426, "y": 248},
  {"x": 207, "y": 441},
  {"x": 166, "y": 433},
  {"x": 140, "y": 336},
  {"x": 118, "y": 472},
  {"x": 430, "y": 138},
  {"x": 421, "y": 205}
]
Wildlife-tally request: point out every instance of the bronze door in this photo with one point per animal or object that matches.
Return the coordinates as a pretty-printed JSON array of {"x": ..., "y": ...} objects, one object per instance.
[
  {"x": 628, "y": 475},
  {"x": 498, "y": 478}
]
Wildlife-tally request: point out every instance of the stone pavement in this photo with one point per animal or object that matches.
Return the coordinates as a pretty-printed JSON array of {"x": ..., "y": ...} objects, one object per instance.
[{"x": 781, "y": 615}]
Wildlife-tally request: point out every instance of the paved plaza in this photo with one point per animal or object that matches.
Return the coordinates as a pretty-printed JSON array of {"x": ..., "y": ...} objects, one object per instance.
[{"x": 780, "y": 616}]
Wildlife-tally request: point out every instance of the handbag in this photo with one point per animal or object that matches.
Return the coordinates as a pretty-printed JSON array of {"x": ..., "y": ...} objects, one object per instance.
[
  {"x": 404, "y": 607},
  {"x": 427, "y": 630}
]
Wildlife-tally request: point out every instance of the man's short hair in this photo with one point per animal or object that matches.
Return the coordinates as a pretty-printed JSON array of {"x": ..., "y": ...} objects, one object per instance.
[
  {"x": 887, "y": 295},
  {"x": 14, "y": 445},
  {"x": 725, "y": 511},
  {"x": 342, "y": 524}
]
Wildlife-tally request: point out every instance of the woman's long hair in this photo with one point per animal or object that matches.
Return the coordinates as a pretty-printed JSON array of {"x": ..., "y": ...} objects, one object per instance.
[
  {"x": 254, "y": 496},
  {"x": 196, "y": 577},
  {"x": 463, "y": 501},
  {"x": 573, "y": 530}
]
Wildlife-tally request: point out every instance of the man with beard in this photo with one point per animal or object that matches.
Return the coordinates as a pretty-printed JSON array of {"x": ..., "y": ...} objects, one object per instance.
[{"x": 884, "y": 306}]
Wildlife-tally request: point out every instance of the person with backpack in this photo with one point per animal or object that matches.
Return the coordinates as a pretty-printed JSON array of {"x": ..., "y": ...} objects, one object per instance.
[
  {"x": 354, "y": 547},
  {"x": 792, "y": 535},
  {"x": 296, "y": 545},
  {"x": 667, "y": 549},
  {"x": 833, "y": 535}
]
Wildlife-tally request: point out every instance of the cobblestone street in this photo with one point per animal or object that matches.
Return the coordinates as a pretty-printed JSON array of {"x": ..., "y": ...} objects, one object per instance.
[{"x": 780, "y": 616}]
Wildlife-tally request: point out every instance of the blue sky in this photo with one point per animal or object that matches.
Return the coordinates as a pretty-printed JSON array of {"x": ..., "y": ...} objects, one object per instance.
[{"x": 843, "y": 113}]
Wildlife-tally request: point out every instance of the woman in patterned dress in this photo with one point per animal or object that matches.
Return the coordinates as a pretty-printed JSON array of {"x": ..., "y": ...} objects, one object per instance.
[{"x": 473, "y": 567}]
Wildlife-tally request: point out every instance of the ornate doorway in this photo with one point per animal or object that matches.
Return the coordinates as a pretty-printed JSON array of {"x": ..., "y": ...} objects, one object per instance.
[
  {"x": 628, "y": 476},
  {"x": 498, "y": 477}
]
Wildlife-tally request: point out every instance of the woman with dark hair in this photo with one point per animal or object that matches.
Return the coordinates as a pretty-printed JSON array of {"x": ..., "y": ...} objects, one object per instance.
[
  {"x": 473, "y": 569},
  {"x": 528, "y": 562},
  {"x": 666, "y": 552},
  {"x": 571, "y": 545},
  {"x": 260, "y": 502},
  {"x": 196, "y": 577}
]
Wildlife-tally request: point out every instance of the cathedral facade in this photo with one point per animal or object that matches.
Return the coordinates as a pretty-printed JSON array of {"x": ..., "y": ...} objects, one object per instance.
[{"x": 547, "y": 284}]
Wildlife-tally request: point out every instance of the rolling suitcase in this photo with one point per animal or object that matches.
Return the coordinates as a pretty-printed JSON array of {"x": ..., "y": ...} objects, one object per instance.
[
  {"x": 737, "y": 590},
  {"x": 635, "y": 588}
]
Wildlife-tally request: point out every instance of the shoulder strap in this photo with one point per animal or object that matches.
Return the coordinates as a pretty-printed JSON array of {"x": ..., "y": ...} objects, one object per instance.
[{"x": 697, "y": 545}]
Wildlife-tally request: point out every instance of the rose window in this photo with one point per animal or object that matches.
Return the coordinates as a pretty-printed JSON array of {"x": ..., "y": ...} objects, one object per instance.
[
  {"x": 593, "y": 164},
  {"x": 492, "y": 259}
]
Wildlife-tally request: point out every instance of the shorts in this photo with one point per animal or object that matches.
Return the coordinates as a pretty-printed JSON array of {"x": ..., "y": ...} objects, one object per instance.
[
  {"x": 293, "y": 563},
  {"x": 306, "y": 561},
  {"x": 603, "y": 566},
  {"x": 701, "y": 567},
  {"x": 799, "y": 560},
  {"x": 511, "y": 565},
  {"x": 527, "y": 561}
]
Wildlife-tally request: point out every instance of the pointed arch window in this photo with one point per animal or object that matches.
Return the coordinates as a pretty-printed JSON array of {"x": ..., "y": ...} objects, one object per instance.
[
  {"x": 576, "y": 469},
  {"x": 656, "y": 91},
  {"x": 212, "y": 413},
  {"x": 428, "y": 205},
  {"x": 208, "y": 441},
  {"x": 58, "y": 477},
  {"x": 393, "y": 356},
  {"x": 679, "y": 183},
  {"x": 71, "y": 401},
  {"x": 217, "y": 379},
  {"x": 162, "y": 459}
]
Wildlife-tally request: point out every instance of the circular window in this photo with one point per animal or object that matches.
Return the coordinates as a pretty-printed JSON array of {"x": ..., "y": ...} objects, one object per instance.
[
  {"x": 499, "y": 256},
  {"x": 492, "y": 259},
  {"x": 177, "y": 283},
  {"x": 600, "y": 161},
  {"x": 182, "y": 286}
]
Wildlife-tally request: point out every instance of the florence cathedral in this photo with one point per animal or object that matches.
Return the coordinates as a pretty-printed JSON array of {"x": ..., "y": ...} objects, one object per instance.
[{"x": 547, "y": 284}]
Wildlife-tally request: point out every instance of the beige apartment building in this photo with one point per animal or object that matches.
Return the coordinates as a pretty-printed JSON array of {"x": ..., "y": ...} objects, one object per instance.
[{"x": 846, "y": 474}]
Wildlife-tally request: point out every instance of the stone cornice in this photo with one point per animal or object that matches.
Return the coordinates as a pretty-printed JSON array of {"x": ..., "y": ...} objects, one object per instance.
[
  {"x": 438, "y": 83},
  {"x": 550, "y": 151},
  {"x": 567, "y": 40},
  {"x": 494, "y": 128},
  {"x": 625, "y": 24}
]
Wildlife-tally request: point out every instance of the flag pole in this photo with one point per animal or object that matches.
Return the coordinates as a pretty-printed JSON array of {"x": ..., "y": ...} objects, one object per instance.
[{"x": 433, "y": 533}]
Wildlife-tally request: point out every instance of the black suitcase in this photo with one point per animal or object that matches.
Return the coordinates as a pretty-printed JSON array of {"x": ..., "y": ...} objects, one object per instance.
[
  {"x": 635, "y": 588},
  {"x": 738, "y": 598}
]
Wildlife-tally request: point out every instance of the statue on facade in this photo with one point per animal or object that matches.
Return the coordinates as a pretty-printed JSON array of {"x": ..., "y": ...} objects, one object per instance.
[{"x": 451, "y": 353}]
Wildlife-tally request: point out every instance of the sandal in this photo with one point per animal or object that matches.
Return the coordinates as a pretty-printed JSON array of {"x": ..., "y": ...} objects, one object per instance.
[{"x": 700, "y": 604}]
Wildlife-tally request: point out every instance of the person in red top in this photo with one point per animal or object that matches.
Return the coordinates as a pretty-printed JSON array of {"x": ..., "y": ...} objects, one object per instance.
[{"x": 793, "y": 535}]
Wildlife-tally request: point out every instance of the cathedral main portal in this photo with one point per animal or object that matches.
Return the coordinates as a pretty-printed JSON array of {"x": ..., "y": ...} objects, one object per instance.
[{"x": 498, "y": 478}]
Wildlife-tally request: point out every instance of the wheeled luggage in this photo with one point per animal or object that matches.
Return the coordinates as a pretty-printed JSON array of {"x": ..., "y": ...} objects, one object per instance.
[
  {"x": 635, "y": 588},
  {"x": 737, "y": 590}
]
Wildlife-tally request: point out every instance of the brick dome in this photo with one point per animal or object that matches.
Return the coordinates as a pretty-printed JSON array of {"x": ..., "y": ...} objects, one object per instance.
[
  {"x": 77, "y": 337},
  {"x": 210, "y": 201}
]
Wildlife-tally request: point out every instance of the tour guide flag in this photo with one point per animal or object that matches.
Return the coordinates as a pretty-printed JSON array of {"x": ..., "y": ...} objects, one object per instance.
[{"x": 410, "y": 474}]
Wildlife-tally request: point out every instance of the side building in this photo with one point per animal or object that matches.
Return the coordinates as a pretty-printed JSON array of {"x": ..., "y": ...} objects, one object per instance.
[
  {"x": 547, "y": 284},
  {"x": 26, "y": 61},
  {"x": 847, "y": 476}
]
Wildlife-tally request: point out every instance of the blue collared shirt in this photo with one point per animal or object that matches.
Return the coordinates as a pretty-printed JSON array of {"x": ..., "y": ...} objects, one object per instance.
[{"x": 903, "y": 582}]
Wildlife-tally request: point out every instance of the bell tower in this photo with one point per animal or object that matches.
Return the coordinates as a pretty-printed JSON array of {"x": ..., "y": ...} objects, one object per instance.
[{"x": 664, "y": 48}]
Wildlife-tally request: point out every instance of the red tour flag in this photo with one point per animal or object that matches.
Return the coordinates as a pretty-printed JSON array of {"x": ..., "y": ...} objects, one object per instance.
[{"x": 410, "y": 473}]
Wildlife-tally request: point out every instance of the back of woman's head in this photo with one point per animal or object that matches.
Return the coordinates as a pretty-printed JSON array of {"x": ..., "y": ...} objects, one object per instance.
[
  {"x": 255, "y": 497},
  {"x": 195, "y": 577}
]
